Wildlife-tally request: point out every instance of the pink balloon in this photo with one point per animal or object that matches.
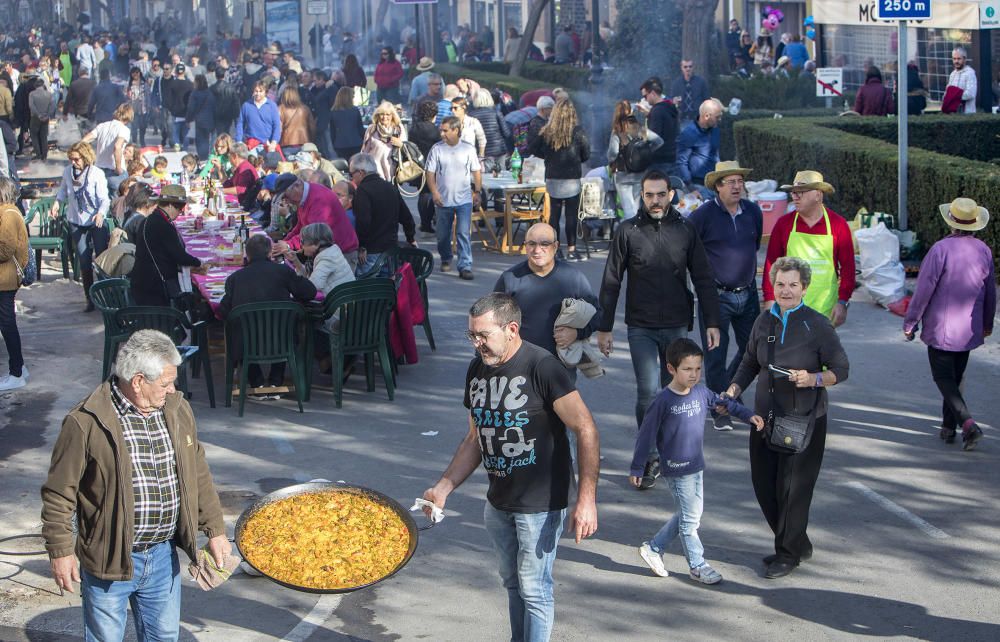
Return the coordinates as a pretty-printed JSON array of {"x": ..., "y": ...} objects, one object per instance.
[{"x": 772, "y": 22}]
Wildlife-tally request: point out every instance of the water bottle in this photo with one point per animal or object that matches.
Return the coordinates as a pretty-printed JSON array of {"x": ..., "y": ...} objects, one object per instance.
[{"x": 515, "y": 165}]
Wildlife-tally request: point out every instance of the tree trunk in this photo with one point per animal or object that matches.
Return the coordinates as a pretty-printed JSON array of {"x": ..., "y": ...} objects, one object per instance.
[
  {"x": 527, "y": 38},
  {"x": 380, "y": 11},
  {"x": 696, "y": 36}
]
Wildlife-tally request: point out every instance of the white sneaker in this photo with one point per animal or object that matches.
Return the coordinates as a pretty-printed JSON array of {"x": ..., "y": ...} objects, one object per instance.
[
  {"x": 8, "y": 382},
  {"x": 653, "y": 559},
  {"x": 24, "y": 373}
]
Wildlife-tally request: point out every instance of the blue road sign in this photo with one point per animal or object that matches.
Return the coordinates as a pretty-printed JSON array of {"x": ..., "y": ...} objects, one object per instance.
[{"x": 904, "y": 9}]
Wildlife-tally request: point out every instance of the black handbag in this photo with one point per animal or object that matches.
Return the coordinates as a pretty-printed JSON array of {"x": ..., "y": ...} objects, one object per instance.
[
  {"x": 785, "y": 432},
  {"x": 172, "y": 287}
]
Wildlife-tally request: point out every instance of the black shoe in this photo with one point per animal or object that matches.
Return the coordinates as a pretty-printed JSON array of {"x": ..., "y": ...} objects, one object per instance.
[
  {"x": 576, "y": 256},
  {"x": 649, "y": 474},
  {"x": 89, "y": 307},
  {"x": 778, "y": 569},
  {"x": 971, "y": 437},
  {"x": 947, "y": 434},
  {"x": 446, "y": 267},
  {"x": 769, "y": 559},
  {"x": 465, "y": 275},
  {"x": 723, "y": 423}
]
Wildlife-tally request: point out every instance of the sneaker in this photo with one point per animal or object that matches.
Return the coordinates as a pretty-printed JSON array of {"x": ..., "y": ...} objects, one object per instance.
[
  {"x": 653, "y": 559},
  {"x": 24, "y": 373},
  {"x": 649, "y": 474},
  {"x": 465, "y": 275},
  {"x": 970, "y": 437},
  {"x": 9, "y": 382},
  {"x": 706, "y": 575},
  {"x": 446, "y": 267},
  {"x": 947, "y": 434},
  {"x": 723, "y": 422},
  {"x": 576, "y": 256}
]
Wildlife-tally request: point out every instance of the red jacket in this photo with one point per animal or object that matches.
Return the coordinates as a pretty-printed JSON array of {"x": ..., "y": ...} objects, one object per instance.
[
  {"x": 388, "y": 74},
  {"x": 243, "y": 178},
  {"x": 409, "y": 311},
  {"x": 874, "y": 99},
  {"x": 843, "y": 250},
  {"x": 321, "y": 205}
]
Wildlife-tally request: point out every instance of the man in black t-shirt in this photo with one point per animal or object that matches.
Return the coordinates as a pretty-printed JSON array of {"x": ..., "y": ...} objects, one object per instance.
[{"x": 521, "y": 401}]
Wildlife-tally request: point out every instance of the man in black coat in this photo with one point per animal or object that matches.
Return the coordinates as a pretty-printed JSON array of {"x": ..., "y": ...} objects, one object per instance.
[
  {"x": 227, "y": 102},
  {"x": 159, "y": 252},
  {"x": 379, "y": 210},
  {"x": 78, "y": 96},
  {"x": 262, "y": 281},
  {"x": 105, "y": 99},
  {"x": 176, "y": 92},
  {"x": 662, "y": 118}
]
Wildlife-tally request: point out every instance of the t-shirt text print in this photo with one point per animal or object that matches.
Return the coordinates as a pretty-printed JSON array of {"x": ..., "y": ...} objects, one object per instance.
[{"x": 524, "y": 445}]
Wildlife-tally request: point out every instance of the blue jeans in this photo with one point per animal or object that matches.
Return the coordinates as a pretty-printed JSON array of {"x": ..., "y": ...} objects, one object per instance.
[
  {"x": 445, "y": 217},
  {"x": 179, "y": 130},
  {"x": 648, "y": 347},
  {"x": 154, "y": 593},
  {"x": 689, "y": 499},
  {"x": 370, "y": 261},
  {"x": 89, "y": 241},
  {"x": 526, "y": 545},
  {"x": 739, "y": 310}
]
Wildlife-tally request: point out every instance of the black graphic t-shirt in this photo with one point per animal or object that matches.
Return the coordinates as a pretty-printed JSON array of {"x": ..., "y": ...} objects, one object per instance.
[{"x": 524, "y": 444}]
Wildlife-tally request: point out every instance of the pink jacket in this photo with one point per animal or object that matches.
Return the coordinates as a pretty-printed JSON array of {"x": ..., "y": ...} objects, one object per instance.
[{"x": 321, "y": 205}]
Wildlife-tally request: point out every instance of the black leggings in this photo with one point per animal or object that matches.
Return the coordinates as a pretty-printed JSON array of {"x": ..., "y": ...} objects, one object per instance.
[
  {"x": 8, "y": 328},
  {"x": 571, "y": 207},
  {"x": 948, "y": 368}
]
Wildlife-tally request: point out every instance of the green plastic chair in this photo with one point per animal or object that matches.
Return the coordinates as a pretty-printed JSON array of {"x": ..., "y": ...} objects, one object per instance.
[
  {"x": 267, "y": 334},
  {"x": 110, "y": 296},
  {"x": 422, "y": 263},
  {"x": 363, "y": 308},
  {"x": 51, "y": 233},
  {"x": 388, "y": 258},
  {"x": 174, "y": 324}
]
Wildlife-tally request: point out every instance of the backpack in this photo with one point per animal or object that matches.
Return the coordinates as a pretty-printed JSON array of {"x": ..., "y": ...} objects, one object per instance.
[
  {"x": 519, "y": 137},
  {"x": 636, "y": 156}
]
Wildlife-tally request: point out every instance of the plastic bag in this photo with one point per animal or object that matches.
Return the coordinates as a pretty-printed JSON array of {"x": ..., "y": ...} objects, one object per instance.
[
  {"x": 688, "y": 203},
  {"x": 756, "y": 188},
  {"x": 67, "y": 132},
  {"x": 881, "y": 272}
]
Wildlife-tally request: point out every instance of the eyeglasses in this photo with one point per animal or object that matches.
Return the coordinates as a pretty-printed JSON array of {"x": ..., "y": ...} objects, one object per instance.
[
  {"x": 477, "y": 338},
  {"x": 733, "y": 182},
  {"x": 800, "y": 193},
  {"x": 542, "y": 244}
]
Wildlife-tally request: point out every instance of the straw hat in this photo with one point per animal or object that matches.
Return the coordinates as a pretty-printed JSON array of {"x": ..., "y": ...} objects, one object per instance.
[
  {"x": 806, "y": 180},
  {"x": 172, "y": 194},
  {"x": 964, "y": 214},
  {"x": 425, "y": 64},
  {"x": 784, "y": 60},
  {"x": 724, "y": 169}
]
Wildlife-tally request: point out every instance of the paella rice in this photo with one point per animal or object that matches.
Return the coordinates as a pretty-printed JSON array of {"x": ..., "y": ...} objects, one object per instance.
[{"x": 325, "y": 540}]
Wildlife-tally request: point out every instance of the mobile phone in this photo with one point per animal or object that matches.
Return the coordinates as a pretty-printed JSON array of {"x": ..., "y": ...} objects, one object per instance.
[{"x": 781, "y": 371}]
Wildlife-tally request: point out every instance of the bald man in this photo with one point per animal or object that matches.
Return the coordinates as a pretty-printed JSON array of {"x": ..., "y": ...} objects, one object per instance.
[
  {"x": 539, "y": 285},
  {"x": 698, "y": 147}
]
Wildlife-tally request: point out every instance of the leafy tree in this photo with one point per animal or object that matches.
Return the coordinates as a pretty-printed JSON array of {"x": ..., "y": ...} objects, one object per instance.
[{"x": 647, "y": 42}]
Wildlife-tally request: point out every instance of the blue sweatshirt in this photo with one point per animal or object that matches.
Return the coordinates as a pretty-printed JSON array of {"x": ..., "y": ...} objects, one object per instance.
[
  {"x": 262, "y": 123},
  {"x": 697, "y": 152},
  {"x": 677, "y": 424}
]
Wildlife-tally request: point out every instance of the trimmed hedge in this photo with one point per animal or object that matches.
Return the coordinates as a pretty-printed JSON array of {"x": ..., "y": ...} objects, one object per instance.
[
  {"x": 515, "y": 86},
  {"x": 863, "y": 170},
  {"x": 555, "y": 75},
  {"x": 772, "y": 92},
  {"x": 972, "y": 136},
  {"x": 727, "y": 145}
]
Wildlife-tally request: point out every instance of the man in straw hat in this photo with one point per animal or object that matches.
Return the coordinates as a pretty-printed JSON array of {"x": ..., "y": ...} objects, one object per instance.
[
  {"x": 421, "y": 82},
  {"x": 730, "y": 227},
  {"x": 821, "y": 236},
  {"x": 956, "y": 301}
]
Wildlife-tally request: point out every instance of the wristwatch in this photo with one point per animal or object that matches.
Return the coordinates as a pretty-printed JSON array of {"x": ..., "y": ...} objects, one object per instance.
[{"x": 844, "y": 303}]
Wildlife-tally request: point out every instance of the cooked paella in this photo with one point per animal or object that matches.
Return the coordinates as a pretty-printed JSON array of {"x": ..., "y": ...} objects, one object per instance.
[{"x": 325, "y": 540}]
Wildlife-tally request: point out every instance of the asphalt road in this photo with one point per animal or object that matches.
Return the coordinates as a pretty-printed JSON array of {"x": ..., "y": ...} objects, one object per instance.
[{"x": 905, "y": 527}]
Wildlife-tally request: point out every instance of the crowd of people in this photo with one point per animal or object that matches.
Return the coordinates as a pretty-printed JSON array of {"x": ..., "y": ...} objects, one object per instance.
[{"x": 324, "y": 177}]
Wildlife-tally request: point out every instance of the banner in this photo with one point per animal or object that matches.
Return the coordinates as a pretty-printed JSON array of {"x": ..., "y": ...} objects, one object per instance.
[
  {"x": 283, "y": 23},
  {"x": 944, "y": 15}
]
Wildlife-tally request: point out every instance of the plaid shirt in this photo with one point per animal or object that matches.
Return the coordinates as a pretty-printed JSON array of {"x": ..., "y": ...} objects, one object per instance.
[{"x": 154, "y": 471}]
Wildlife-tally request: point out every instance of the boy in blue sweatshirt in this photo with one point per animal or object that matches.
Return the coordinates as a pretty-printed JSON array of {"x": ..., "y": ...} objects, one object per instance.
[{"x": 676, "y": 422}]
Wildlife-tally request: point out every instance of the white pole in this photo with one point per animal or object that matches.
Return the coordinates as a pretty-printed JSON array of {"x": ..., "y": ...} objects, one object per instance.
[{"x": 902, "y": 114}]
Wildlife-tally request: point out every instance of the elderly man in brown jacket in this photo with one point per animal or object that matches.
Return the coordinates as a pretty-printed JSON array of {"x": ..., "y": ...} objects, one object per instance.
[{"x": 129, "y": 463}]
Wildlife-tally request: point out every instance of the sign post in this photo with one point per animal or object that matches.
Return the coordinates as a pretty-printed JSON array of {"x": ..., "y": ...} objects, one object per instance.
[
  {"x": 901, "y": 11},
  {"x": 829, "y": 83}
]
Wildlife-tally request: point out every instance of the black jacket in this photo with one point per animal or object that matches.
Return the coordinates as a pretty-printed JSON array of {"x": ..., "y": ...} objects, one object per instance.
[
  {"x": 494, "y": 127},
  {"x": 562, "y": 163},
  {"x": 104, "y": 100},
  {"x": 227, "y": 103},
  {"x": 263, "y": 281},
  {"x": 158, "y": 251},
  {"x": 424, "y": 135},
  {"x": 176, "y": 92},
  {"x": 201, "y": 109},
  {"x": 658, "y": 255},
  {"x": 346, "y": 128},
  {"x": 378, "y": 211},
  {"x": 663, "y": 119}
]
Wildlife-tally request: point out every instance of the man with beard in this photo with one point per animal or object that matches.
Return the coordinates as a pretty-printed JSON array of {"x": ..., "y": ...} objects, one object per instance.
[
  {"x": 521, "y": 401},
  {"x": 659, "y": 249}
]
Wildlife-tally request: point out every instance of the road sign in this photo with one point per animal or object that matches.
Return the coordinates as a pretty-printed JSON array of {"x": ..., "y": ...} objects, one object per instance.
[
  {"x": 829, "y": 82},
  {"x": 318, "y": 7},
  {"x": 989, "y": 14},
  {"x": 904, "y": 9}
]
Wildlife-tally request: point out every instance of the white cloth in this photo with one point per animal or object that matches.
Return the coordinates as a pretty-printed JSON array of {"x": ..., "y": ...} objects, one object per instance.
[
  {"x": 453, "y": 167},
  {"x": 577, "y": 313},
  {"x": 105, "y": 136},
  {"x": 965, "y": 79}
]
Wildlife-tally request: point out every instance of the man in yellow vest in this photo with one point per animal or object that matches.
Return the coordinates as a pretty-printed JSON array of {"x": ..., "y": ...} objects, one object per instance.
[{"x": 821, "y": 236}]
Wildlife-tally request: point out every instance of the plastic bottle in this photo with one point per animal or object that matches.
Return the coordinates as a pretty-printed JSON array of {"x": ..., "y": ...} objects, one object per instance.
[{"x": 515, "y": 165}]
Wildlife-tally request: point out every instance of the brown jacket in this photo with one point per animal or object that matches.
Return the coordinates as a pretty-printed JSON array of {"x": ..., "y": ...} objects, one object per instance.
[
  {"x": 13, "y": 243},
  {"x": 297, "y": 126},
  {"x": 85, "y": 476}
]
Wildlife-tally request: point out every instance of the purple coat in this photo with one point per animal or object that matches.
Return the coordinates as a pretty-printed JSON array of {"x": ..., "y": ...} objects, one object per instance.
[{"x": 956, "y": 295}]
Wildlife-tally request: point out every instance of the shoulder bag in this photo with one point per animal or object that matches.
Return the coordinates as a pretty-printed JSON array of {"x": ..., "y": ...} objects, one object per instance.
[
  {"x": 28, "y": 273},
  {"x": 785, "y": 432},
  {"x": 171, "y": 287},
  {"x": 409, "y": 167}
]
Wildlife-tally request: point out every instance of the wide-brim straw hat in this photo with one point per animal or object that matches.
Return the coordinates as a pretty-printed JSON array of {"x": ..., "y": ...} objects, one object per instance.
[
  {"x": 807, "y": 180},
  {"x": 425, "y": 64},
  {"x": 724, "y": 169},
  {"x": 172, "y": 194},
  {"x": 964, "y": 214}
]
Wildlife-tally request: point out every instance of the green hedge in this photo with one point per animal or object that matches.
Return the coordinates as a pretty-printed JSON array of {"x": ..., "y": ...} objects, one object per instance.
[
  {"x": 727, "y": 145},
  {"x": 515, "y": 86},
  {"x": 972, "y": 136},
  {"x": 772, "y": 92},
  {"x": 863, "y": 170}
]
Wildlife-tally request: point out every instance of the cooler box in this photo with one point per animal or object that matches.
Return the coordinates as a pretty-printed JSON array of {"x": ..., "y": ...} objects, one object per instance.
[{"x": 773, "y": 205}]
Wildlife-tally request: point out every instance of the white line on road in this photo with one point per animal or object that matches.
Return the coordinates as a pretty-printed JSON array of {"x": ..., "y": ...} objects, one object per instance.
[
  {"x": 897, "y": 510},
  {"x": 319, "y": 614}
]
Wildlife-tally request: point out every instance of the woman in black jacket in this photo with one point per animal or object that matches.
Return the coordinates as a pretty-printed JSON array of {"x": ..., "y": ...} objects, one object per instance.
[
  {"x": 159, "y": 251},
  {"x": 564, "y": 146},
  {"x": 346, "y": 128},
  {"x": 201, "y": 110},
  {"x": 494, "y": 126},
  {"x": 424, "y": 134}
]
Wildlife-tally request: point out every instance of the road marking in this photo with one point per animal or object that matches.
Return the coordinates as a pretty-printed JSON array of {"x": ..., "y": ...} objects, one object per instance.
[
  {"x": 319, "y": 614},
  {"x": 897, "y": 510},
  {"x": 281, "y": 442},
  {"x": 883, "y": 410},
  {"x": 905, "y": 431}
]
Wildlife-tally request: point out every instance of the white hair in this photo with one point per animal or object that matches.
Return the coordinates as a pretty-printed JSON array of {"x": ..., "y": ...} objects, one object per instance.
[
  {"x": 146, "y": 352},
  {"x": 482, "y": 99},
  {"x": 363, "y": 162},
  {"x": 960, "y": 51}
]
